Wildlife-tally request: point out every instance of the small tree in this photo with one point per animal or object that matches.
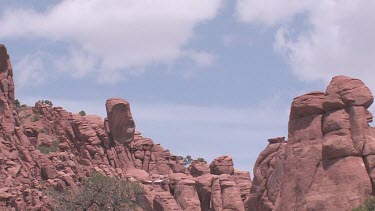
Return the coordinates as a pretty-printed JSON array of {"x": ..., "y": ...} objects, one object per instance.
[
  {"x": 82, "y": 113},
  {"x": 46, "y": 102},
  {"x": 188, "y": 160},
  {"x": 17, "y": 103},
  {"x": 101, "y": 192}
]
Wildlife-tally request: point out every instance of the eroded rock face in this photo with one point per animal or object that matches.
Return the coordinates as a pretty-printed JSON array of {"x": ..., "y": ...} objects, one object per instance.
[
  {"x": 324, "y": 164},
  {"x": 222, "y": 165},
  {"x": 198, "y": 168},
  {"x": 225, "y": 194},
  {"x": 49, "y": 147},
  {"x": 120, "y": 121}
]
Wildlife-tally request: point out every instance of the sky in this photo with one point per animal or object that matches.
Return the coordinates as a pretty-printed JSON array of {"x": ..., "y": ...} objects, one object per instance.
[{"x": 204, "y": 78}]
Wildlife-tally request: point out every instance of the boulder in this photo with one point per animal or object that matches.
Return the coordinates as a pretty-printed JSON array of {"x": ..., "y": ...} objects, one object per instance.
[{"x": 222, "y": 165}]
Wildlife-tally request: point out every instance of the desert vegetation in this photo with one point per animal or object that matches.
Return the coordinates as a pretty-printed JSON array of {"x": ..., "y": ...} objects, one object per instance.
[
  {"x": 48, "y": 149},
  {"x": 100, "y": 192},
  {"x": 82, "y": 113},
  {"x": 368, "y": 205}
]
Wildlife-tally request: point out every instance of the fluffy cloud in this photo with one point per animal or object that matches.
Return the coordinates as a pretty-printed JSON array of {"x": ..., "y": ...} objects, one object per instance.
[
  {"x": 30, "y": 70},
  {"x": 113, "y": 35},
  {"x": 322, "y": 39},
  {"x": 270, "y": 12}
]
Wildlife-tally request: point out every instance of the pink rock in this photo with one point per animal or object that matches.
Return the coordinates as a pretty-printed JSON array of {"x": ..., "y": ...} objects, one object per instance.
[
  {"x": 276, "y": 140},
  {"x": 120, "y": 120},
  {"x": 204, "y": 190},
  {"x": 198, "y": 168},
  {"x": 353, "y": 92},
  {"x": 222, "y": 165},
  {"x": 308, "y": 104},
  {"x": 4, "y": 59},
  {"x": 243, "y": 182},
  {"x": 268, "y": 174},
  {"x": 327, "y": 162},
  {"x": 48, "y": 172},
  {"x": 186, "y": 195},
  {"x": 139, "y": 174},
  {"x": 225, "y": 194},
  {"x": 164, "y": 201}
]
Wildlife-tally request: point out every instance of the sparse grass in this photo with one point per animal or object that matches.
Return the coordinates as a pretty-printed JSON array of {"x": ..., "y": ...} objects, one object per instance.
[
  {"x": 27, "y": 116},
  {"x": 35, "y": 118},
  {"x": 368, "y": 205},
  {"x": 43, "y": 131},
  {"x": 48, "y": 149}
]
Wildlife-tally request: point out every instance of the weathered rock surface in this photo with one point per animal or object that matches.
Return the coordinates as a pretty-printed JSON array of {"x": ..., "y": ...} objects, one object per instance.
[
  {"x": 48, "y": 147},
  {"x": 198, "y": 168},
  {"x": 121, "y": 126},
  {"x": 327, "y": 162},
  {"x": 222, "y": 165}
]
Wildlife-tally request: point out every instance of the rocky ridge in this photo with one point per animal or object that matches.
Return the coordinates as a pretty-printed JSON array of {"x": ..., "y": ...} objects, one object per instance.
[
  {"x": 87, "y": 144},
  {"x": 328, "y": 161}
]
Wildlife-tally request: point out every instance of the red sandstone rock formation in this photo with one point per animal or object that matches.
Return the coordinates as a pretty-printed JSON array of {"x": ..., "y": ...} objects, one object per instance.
[
  {"x": 121, "y": 126},
  {"x": 328, "y": 161},
  {"x": 87, "y": 144}
]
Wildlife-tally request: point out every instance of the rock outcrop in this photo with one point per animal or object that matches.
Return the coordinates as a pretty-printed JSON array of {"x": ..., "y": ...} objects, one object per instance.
[
  {"x": 120, "y": 125},
  {"x": 328, "y": 161},
  {"x": 48, "y": 147}
]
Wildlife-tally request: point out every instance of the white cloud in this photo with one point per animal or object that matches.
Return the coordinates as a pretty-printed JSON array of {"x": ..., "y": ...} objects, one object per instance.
[
  {"x": 336, "y": 39},
  {"x": 201, "y": 58},
  {"x": 118, "y": 34},
  {"x": 30, "y": 70},
  {"x": 270, "y": 12},
  {"x": 78, "y": 63}
]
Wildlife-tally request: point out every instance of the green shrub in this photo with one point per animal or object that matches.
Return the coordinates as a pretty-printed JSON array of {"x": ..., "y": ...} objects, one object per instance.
[
  {"x": 188, "y": 160},
  {"x": 82, "y": 113},
  {"x": 35, "y": 118},
  {"x": 368, "y": 205},
  {"x": 46, "y": 102},
  {"x": 27, "y": 116},
  {"x": 100, "y": 192},
  {"x": 48, "y": 149},
  {"x": 42, "y": 130},
  {"x": 201, "y": 160},
  {"x": 17, "y": 103}
]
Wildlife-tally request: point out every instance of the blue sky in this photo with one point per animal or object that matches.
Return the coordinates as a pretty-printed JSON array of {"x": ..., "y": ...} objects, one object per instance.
[{"x": 204, "y": 78}]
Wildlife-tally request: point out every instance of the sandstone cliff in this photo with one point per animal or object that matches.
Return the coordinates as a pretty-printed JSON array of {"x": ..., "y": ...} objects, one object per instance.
[
  {"x": 87, "y": 144},
  {"x": 328, "y": 161}
]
